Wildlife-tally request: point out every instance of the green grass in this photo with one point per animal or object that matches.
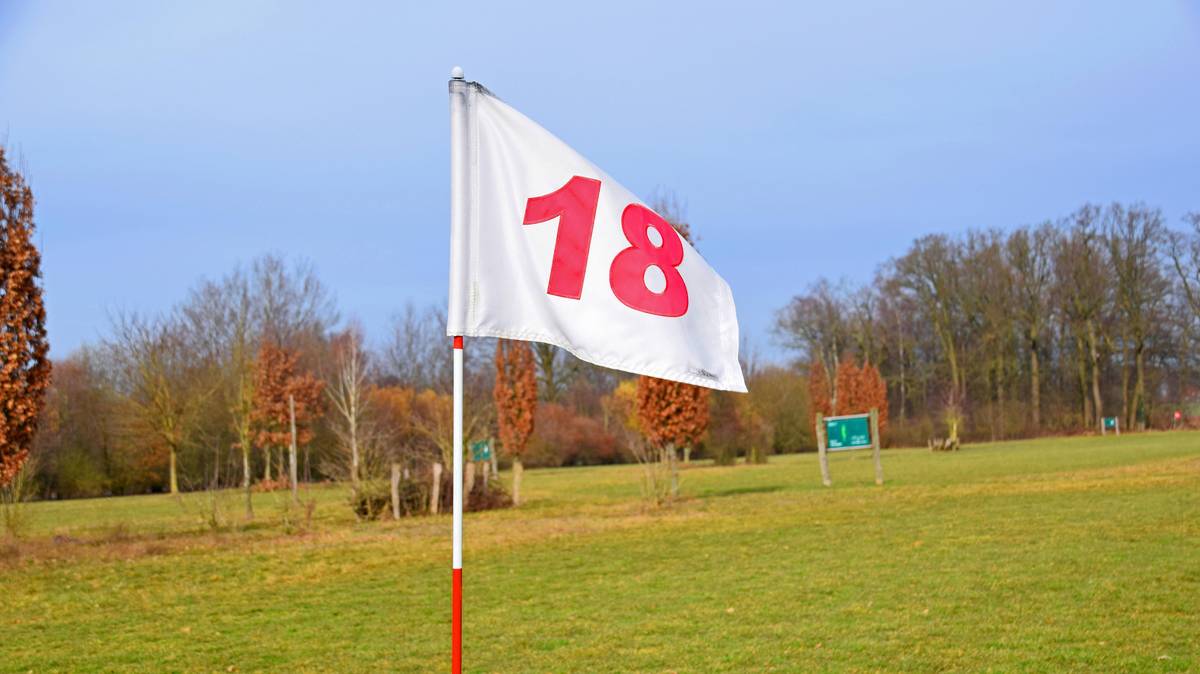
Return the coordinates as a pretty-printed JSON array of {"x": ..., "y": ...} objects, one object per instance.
[{"x": 1078, "y": 554}]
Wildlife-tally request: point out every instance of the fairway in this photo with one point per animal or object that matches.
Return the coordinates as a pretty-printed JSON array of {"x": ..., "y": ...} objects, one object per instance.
[{"x": 1078, "y": 554}]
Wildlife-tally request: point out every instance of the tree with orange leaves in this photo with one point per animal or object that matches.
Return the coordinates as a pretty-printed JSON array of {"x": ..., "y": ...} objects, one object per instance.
[
  {"x": 24, "y": 367},
  {"x": 275, "y": 380},
  {"x": 515, "y": 395},
  {"x": 860, "y": 389},
  {"x": 818, "y": 389},
  {"x": 671, "y": 415}
]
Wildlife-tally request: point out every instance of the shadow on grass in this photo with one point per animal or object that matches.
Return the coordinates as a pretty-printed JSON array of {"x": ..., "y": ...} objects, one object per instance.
[{"x": 738, "y": 491}]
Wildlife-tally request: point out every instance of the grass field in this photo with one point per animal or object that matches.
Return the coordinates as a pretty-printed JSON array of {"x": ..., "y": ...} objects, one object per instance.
[{"x": 1054, "y": 555}]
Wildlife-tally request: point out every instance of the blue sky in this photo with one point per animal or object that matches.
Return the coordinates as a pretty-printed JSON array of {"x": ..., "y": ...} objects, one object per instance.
[{"x": 168, "y": 141}]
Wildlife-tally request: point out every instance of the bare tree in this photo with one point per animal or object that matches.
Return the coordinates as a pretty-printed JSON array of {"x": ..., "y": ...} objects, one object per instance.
[
  {"x": 347, "y": 389},
  {"x": 1030, "y": 255},
  {"x": 164, "y": 381},
  {"x": 1083, "y": 288},
  {"x": 930, "y": 271},
  {"x": 1135, "y": 237},
  {"x": 291, "y": 304},
  {"x": 814, "y": 324}
]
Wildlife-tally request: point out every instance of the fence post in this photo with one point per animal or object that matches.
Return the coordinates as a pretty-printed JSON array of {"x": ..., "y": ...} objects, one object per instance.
[
  {"x": 875, "y": 445},
  {"x": 822, "y": 456},
  {"x": 395, "y": 490},
  {"x": 435, "y": 491}
]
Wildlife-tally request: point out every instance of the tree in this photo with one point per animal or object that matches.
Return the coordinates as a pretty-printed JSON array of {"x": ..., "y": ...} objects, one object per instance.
[
  {"x": 1184, "y": 249},
  {"x": 393, "y": 409},
  {"x": 24, "y": 366},
  {"x": 672, "y": 415},
  {"x": 221, "y": 316},
  {"x": 1030, "y": 255},
  {"x": 515, "y": 396},
  {"x": 780, "y": 395},
  {"x": 819, "y": 388},
  {"x": 276, "y": 380},
  {"x": 863, "y": 389},
  {"x": 349, "y": 394},
  {"x": 164, "y": 381},
  {"x": 815, "y": 325},
  {"x": 930, "y": 271},
  {"x": 555, "y": 370},
  {"x": 1135, "y": 236},
  {"x": 1082, "y": 286}
]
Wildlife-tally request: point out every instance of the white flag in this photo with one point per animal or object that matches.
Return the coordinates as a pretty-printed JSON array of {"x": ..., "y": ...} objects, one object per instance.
[{"x": 549, "y": 248}]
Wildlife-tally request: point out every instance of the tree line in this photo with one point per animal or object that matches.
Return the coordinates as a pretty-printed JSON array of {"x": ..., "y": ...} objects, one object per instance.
[
  {"x": 254, "y": 381},
  {"x": 1047, "y": 328}
]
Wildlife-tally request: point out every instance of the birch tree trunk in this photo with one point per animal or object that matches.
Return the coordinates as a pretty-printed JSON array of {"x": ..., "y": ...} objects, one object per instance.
[{"x": 292, "y": 472}]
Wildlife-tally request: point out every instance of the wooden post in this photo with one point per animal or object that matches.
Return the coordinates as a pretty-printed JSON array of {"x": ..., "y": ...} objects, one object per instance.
[
  {"x": 395, "y": 490},
  {"x": 875, "y": 445},
  {"x": 292, "y": 450},
  {"x": 822, "y": 455},
  {"x": 1117, "y": 424},
  {"x": 435, "y": 493}
]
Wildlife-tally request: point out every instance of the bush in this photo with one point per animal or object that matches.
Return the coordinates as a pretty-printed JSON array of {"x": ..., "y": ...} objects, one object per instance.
[
  {"x": 482, "y": 497},
  {"x": 374, "y": 499},
  {"x": 563, "y": 438}
]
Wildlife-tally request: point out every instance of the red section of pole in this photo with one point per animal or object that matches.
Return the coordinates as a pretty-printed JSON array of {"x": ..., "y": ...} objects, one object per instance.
[
  {"x": 458, "y": 343},
  {"x": 456, "y": 630}
]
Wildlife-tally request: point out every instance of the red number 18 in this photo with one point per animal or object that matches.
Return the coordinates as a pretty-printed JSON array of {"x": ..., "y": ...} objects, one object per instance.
[{"x": 574, "y": 204}]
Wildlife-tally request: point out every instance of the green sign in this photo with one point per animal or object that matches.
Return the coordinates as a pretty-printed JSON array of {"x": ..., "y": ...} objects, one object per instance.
[
  {"x": 848, "y": 432},
  {"x": 481, "y": 450},
  {"x": 1110, "y": 423}
]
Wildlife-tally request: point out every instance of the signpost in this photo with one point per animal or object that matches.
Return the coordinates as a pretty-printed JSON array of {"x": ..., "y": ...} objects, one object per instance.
[
  {"x": 1110, "y": 424},
  {"x": 481, "y": 450},
  {"x": 849, "y": 432},
  {"x": 852, "y": 431}
]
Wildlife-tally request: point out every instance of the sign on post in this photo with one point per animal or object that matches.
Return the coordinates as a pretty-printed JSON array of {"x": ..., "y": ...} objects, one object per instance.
[
  {"x": 853, "y": 431},
  {"x": 481, "y": 450},
  {"x": 1110, "y": 424},
  {"x": 848, "y": 432}
]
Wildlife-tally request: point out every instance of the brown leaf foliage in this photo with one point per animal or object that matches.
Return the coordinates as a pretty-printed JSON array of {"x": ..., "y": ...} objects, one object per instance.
[
  {"x": 24, "y": 367},
  {"x": 671, "y": 412},
  {"x": 818, "y": 389},
  {"x": 275, "y": 378},
  {"x": 515, "y": 395},
  {"x": 861, "y": 388}
]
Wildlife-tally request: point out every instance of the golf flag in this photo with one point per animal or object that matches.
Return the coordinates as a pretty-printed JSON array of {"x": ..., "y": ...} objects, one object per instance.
[{"x": 546, "y": 247}]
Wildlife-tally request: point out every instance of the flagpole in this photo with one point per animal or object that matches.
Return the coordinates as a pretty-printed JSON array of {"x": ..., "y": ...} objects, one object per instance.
[
  {"x": 458, "y": 213},
  {"x": 456, "y": 572}
]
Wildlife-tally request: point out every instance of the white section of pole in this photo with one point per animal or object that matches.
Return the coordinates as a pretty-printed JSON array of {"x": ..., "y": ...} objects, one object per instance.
[
  {"x": 460, "y": 202},
  {"x": 458, "y": 454}
]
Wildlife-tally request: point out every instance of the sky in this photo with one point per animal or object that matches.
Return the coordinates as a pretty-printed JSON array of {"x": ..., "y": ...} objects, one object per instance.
[{"x": 168, "y": 142}]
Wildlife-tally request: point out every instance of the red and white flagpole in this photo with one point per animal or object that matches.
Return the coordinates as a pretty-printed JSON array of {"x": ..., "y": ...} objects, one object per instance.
[
  {"x": 459, "y": 186},
  {"x": 456, "y": 572}
]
